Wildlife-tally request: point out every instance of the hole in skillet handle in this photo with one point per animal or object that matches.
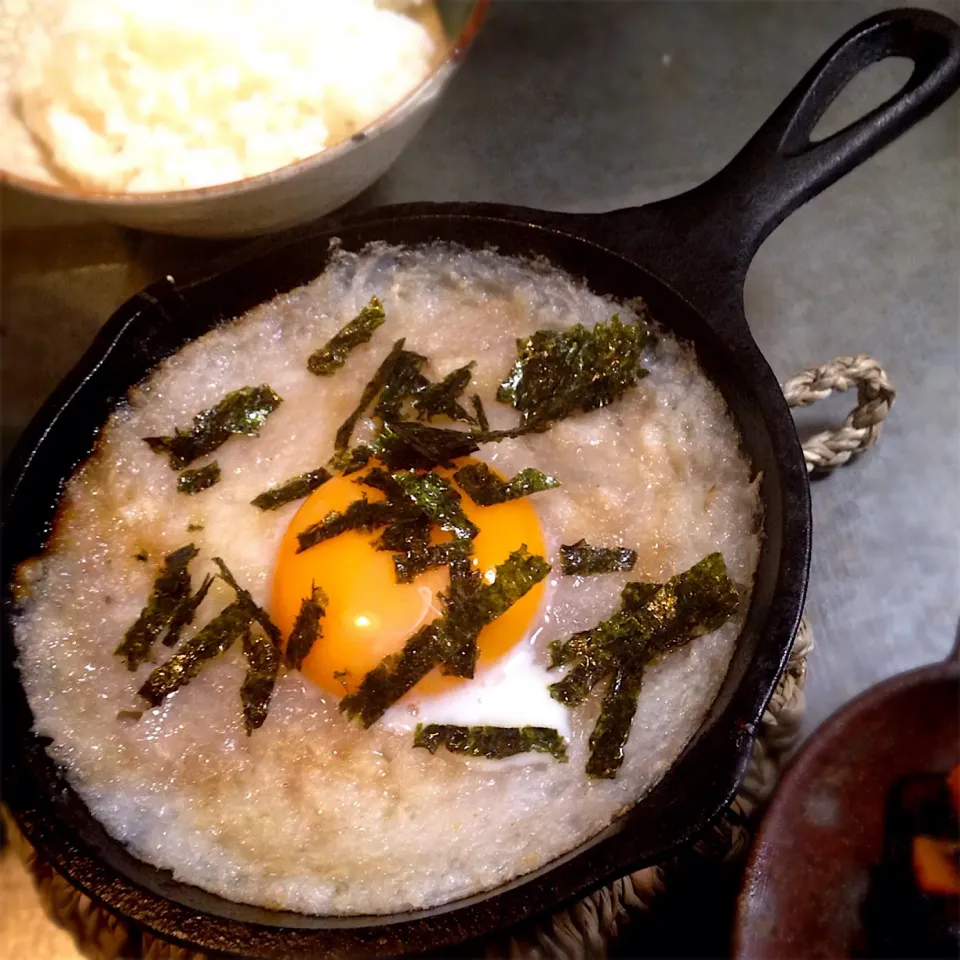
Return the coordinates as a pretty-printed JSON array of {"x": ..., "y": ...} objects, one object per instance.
[
  {"x": 871, "y": 87},
  {"x": 783, "y": 167},
  {"x": 702, "y": 241}
]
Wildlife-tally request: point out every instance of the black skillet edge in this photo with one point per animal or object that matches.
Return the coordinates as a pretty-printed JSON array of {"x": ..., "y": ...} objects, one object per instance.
[{"x": 147, "y": 328}]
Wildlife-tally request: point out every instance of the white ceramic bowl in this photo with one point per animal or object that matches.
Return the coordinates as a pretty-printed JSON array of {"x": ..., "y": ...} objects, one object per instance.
[{"x": 293, "y": 194}]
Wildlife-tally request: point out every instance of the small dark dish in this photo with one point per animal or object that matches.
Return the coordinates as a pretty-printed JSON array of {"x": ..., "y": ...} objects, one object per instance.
[
  {"x": 687, "y": 257},
  {"x": 814, "y": 865}
]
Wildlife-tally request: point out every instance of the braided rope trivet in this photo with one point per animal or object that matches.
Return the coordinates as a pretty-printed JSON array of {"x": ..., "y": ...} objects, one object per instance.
[
  {"x": 860, "y": 430},
  {"x": 590, "y": 927}
]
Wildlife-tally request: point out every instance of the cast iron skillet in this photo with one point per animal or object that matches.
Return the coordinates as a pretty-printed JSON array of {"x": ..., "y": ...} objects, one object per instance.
[{"x": 688, "y": 257}]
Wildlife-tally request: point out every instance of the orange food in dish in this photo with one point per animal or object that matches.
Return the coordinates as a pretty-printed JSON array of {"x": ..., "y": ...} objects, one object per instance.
[
  {"x": 935, "y": 865},
  {"x": 953, "y": 783}
]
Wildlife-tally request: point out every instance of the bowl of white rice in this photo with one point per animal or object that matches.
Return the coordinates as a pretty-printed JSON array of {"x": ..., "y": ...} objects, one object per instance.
[{"x": 220, "y": 117}]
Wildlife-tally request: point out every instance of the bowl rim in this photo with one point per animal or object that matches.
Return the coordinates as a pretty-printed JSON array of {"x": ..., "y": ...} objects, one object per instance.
[
  {"x": 805, "y": 764},
  {"x": 438, "y": 76}
]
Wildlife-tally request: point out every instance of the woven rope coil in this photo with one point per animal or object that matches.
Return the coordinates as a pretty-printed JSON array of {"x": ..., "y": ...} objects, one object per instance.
[
  {"x": 587, "y": 929},
  {"x": 861, "y": 429}
]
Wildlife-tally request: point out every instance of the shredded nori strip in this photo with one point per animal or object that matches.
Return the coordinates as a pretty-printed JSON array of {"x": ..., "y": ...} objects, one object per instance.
[
  {"x": 181, "y": 667},
  {"x": 407, "y": 382},
  {"x": 409, "y": 539},
  {"x": 605, "y": 636},
  {"x": 485, "y": 488},
  {"x": 436, "y": 498},
  {"x": 330, "y": 358},
  {"x": 408, "y": 533},
  {"x": 379, "y": 479},
  {"x": 243, "y": 596},
  {"x": 585, "y": 674},
  {"x": 459, "y": 638},
  {"x": 376, "y": 384},
  {"x": 442, "y": 639},
  {"x": 653, "y": 620},
  {"x": 492, "y": 743},
  {"x": 241, "y": 411},
  {"x": 482, "y": 422},
  {"x": 170, "y": 589},
  {"x": 414, "y": 502},
  {"x": 202, "y": 478},
  {"x": 559, "y": 372},
  {"x": 399, "y": 379},
  {"x": 185, "y": 613},
  {"x": 612, "y": 729},
  {"x": 397, "y": 673},
  {"x": 513, "y": 578},
  {"x": 411, "y": 563},
  {"x": 440, "y": 399},
  {"x": 216, "y": 638},
  {"x": 263, "y": 664},
  {"x": 594, "y": 652},
  {"x": 294, "y": 489},
  {"x": 362, "y": 514},
  {"x": 404, "y": 383},
  {"x": 306, "y": 628},
  {"x": 404, "y": 445},
  {"x": 141, "y": 557},
  {"x": 407, "y": 445},
  {"x": 350, "y": 461},
  {"x": 582, "y": 560}
]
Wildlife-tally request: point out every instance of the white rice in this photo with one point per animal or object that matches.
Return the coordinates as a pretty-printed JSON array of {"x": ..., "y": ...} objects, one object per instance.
[
  {"x": 142, "y": 96},
  {"x": 312, "y": 813}
]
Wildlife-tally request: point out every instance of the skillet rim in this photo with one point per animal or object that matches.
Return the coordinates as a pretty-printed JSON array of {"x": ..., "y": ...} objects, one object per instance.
[{"x": 428, "y": 929}]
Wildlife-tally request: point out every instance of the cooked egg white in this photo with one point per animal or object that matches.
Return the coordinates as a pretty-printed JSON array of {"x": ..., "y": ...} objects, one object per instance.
[{"x": 511, "y": 692}]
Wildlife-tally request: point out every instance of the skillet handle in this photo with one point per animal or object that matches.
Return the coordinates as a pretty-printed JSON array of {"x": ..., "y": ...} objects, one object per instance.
[
  {"x": 781, "y": 168},
  {"x": 702, "y": 241}
]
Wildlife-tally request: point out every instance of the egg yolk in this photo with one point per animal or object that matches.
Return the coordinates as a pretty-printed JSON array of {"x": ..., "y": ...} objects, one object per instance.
[{"x": 369, "y": 615}]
